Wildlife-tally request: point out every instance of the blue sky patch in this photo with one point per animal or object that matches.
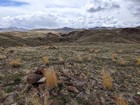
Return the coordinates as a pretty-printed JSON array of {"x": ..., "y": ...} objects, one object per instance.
[{"x": 11, "y": 3}]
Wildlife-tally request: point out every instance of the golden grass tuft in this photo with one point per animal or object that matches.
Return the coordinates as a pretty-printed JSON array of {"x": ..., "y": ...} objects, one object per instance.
[
  {"x": 51, "y": 78},
  {"x": 114, "y": 57},
  {"x": 107, "y": 79},
  {"x": 121, "y": 101},
  {"x": 91, "y": 50},
  {"x": 79, "y": 58},
  {"x": 46, "y": 60},
  {"x": 15, "y": 63},
  {"x": 139, "y": 72},
  {"x": 122, "y": 62},
  {"x": 138, "y": 61}
]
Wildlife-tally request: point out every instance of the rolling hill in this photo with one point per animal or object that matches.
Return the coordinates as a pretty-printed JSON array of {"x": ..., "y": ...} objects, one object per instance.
[{"x": 41, "y": 37}]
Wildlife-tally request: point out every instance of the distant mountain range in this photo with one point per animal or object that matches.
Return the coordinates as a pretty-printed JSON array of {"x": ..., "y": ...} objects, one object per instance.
[
  {"x": 61, "y": 30},
  {"x": 11, "y": 29}
]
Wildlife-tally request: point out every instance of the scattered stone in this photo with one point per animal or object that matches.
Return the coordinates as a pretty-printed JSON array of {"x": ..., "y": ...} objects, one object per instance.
[
  {"x": 137, "y": 99},
  {"x": 40, "y": 70},
  {"x": 41, "y": 80},
  {"x": 82, "y": 95},
  {"x": 72, "y": 89},
  {"x": 78, "y": 81},
  {"x": 138, "y": 93},
  {"x": 10, "y": 99},
  {"x": 33, "y": 78}
]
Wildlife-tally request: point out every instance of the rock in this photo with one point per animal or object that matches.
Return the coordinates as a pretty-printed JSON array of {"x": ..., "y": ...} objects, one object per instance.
[
  {"x": 72, "y": 89},
  {"x": 33, "y": 78},
  {"x": 41, "y": 80},
  {"x": 40, "y": 70},
  {"x": 64, "y": 92},
  {"x": 82, "y": 95},
  {"x": 137, "y": 99},
  {"x": 78, "y": 81},
  {"x": 21, "y": 101},
  {"x": 11, "y": 51},
  {"x": 10, "y": 99},
  {"x": 97, "y": 102},
  {"x": 138, "y": 93}
]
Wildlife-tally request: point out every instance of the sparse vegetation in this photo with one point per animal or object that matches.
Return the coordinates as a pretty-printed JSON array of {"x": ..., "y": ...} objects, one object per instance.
[
  {"x": 121, "y": 101},
  {"x": 46, "y": 60},
  {"x": 74, "y": 78},
  {"x": 51, "y": 78},
  {"x": 122, "y": 62},
  {"x": 138, "y": 61},
  {"x": 79, "y": 58},
  {"x": 2, "y": 57},
  {"x": 61, "y": 60},
  {"x": 15, "y": 63},
  {"x": 107, "y": 79},
  {"x": 114, "y": 57},
  {"x": 89, "y": 58},
  {"x": 36, "y": 100},
  {"x": 91, "y": 50}
]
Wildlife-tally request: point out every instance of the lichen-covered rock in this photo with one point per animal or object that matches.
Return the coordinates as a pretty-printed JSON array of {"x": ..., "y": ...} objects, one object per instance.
[{"x": 33, "y": 78}]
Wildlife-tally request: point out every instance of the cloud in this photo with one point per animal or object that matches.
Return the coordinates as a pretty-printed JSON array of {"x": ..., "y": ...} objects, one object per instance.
[
  {"x": 49, "y": 20},
  {"x": 70, "y": 13},
  {"x": 38, "y": 19},
  {"x": 134, "y": 7},
  {"x": 100, "y": 5}
]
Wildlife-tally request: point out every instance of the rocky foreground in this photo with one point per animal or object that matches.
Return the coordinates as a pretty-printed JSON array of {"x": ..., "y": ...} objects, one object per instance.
[{"x": 73, "y": 74}]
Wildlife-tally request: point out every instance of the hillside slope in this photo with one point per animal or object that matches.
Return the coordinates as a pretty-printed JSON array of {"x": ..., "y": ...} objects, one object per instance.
[{"x": 35, "y": 38}]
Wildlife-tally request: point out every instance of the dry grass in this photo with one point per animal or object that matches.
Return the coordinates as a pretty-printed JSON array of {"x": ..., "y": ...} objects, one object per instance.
[
  {"x": 79, "y": 58},
  {"x": 114, "y": 57},
  {"x": 121, "y": 101},
  {"x": 60, "y": 59},
  {"x": 46, "y": 60},
  {"x": 46, "y": 101},
  {"x": 2, "y": 94},
  {"x": 1, "y": 49},
  {"x": 107, "y": 79},
  {"x": 15, "y": 63},
  {"x": 89, "y": 58},
  {"x": 2, "y": 57},
  {"x": 35, "y": 100},
  {"x": 120, "y": 51},
  {"x": 138, "y": 61},
  {"x": 139, "y": 72},
  {"x": 97, "y": 50},
  {"x": 91, "y": 50},
  {"x": 122, "y": 62},
  {"x": 51, "y": 78}
]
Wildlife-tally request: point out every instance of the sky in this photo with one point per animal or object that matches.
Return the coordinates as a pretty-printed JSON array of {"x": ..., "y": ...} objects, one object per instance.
[{"x": 69, "y": 13}]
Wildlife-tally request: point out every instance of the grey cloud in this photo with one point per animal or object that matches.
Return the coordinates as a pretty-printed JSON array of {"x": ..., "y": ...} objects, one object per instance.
[
  {"x": 101, "y": 5},
  {"x": 137, "y": 12},
  {"x": 134, "y": 0},
  {"x": 134, "y": 7}
]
